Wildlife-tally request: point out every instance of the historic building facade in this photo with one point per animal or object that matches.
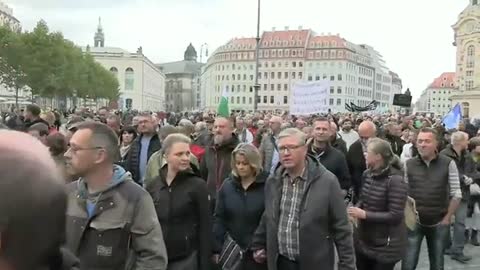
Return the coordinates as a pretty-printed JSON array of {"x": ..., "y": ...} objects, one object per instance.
[
  {"x": 182, "y": 82},
  {"x": 7, "y": 18},
  {"x": 142, "y": 84},
  {"x": 356, "y": 73},
  {"x": 467, "y": 34},
  {"x": 437, "y": 97}
]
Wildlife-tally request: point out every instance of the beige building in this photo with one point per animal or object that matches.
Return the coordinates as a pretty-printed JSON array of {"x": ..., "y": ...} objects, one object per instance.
[
  {"x": 467, "y": 34},
  {"x": 182, "y": 86},
  {"x": 357, "y": 73},
  {"x": 437, "y": 97},
  {"x": 7, "y": 18},
  {"x": 142, "y": 84}
]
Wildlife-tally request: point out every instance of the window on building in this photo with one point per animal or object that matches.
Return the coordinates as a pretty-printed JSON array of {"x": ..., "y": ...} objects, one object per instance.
[
  {"x": 332, "y": 78},
  {"x": 259, "y": 75},
  {"x": 286, "y": 75},
  {"x": 293, "y": 75},
  {"x": 272, "y": 86},
  {"x": 129, "y": 78},
  {"x": 294, "y": 64},
  {"x": 339, "y": 77},
  {"x": 279, "y": 87},
  {"x": 317, "y": 78},
  {"x": 265, "y": 99},
  {"x": 250, "y": 100},
  {"x": 300, "y": 64},
  {"x": 233, "y": 88},
  {"x": 331, "y": 101},
  {"x": 300, "y": 75},
  {"x": 232, "y": 100},
  {"x": 251, "y": 77},
  {"x": 272, "y": 99},
  {"x": 244, "y": 99},
  {"x": 339, "y": 90},
  {"x": 273, "y": 63},
  {"x": 244, "y": 88},
  {"x": 309, "y": 78},
  {"x": 266, "y": 64},
  {"x": 238, "y": 100},
  {"x": 332, "y": 89},
  {"x": 339, "y": 101},
  {"x": 265, "y": 87},
  {"x": 265, "y": 75},
  {"x": 279, "y": 75},
  {"x": 471, "y": 56},
  {"x": 244, "y": 77},
  {"x": 469, "y": 84},
  {"x": 285, "y": 100},
  {"x": 114, "y": 71},
  {"x": 272, "y": 75},
  {"x": 285, "y": 87}
]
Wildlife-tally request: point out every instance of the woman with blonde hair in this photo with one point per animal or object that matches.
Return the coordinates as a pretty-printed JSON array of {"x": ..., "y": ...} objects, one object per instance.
[
  {"x": 182, "y": 205},
  {"x": 240, "y": 205},
  {"x": 381, "y": 236}
]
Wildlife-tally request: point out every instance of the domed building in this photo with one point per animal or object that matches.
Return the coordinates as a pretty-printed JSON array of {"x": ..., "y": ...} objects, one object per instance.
[
  {"x": 182, "y": 83},
  {"x": 467, "y": 35}
]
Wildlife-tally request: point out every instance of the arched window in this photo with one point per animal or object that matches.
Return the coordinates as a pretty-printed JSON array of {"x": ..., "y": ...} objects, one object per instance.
[
  {"x": 471, "y": 56},
  {"x": 114, "y": 70},
  {"x": 129, "y": 78}
]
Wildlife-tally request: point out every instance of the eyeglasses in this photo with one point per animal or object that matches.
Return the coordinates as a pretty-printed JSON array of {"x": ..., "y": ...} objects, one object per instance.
[{"x": 288, "y": 148}]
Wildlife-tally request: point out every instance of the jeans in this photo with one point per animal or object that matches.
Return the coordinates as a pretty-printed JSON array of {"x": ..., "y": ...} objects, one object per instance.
[
  {"x": 435, "y": 242},
  {"x": 285, "y": 264},
  {"x": 458, "y": 241}
]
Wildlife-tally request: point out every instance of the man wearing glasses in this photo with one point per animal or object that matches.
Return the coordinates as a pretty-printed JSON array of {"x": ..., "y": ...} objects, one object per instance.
[
  {"x": 111, "y": 221},
  {"x": 305, "y": 216}
]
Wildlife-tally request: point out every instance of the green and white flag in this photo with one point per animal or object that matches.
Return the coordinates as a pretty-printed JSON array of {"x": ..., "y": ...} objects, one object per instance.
[{"x": 223, "y": 106}]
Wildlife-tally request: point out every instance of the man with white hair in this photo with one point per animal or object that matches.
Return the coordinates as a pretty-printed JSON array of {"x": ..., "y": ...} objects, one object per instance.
[
  {"x": 457, "y": 151},
  {"x": 244, "y": 135}
]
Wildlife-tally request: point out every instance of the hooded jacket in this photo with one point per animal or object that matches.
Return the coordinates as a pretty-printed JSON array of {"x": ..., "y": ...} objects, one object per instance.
[
  {"x": 183, "y": 210},
  {"x": 115, "y": 228},
  {"x": 323, "y": 222}
]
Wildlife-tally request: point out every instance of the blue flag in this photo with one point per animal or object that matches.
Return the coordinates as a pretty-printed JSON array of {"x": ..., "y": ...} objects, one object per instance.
[{"x": 453, "y": 118}]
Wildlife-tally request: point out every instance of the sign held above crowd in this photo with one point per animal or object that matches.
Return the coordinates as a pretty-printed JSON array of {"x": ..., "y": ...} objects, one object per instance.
[{"x": 310, "y": 97}]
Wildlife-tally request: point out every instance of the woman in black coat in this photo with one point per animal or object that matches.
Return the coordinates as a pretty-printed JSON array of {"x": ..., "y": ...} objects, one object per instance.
[
  {"x": 182, "y": 205},
  {"x": 381, "y": 235},
  {"x": 240, "y": 203}
]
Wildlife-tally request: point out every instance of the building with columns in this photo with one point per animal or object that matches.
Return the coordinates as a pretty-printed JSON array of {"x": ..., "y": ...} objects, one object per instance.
[
  {"x": 182, "y": 82},
  {"x": 467, "y": 34},
  {"x": 357, "y": 73},
  {"x": 142, "y": 84}
]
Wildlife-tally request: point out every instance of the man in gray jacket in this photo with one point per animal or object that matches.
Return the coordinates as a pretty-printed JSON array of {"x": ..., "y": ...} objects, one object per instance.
[
  {"x": 305, "y": 216},
  {"x": 111, "y": 221}
]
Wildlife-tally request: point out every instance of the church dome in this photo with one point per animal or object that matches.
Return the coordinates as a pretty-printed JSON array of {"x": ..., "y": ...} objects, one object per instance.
[{"x": 190, "y": 53}]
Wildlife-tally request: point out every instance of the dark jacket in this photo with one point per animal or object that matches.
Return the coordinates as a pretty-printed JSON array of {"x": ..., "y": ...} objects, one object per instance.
[
  {"x": 238, "y": 211},
  {"x": 396, "y": 143},
  {"x": 132, "y": 161},
  {"x": 215, "y": 165},
  {"x": 339, "y": 144},
  {"x": 323, "y": 225},
  {"x": 382, "y": 236},
  {"x": 466, "y": 167},
  {"x": 116, "y": 228},
  {"x": 334, "y": 161},
  {"x": 183, "y": 211},
  {"x": 429, "y": 187},
  {"x": 356, "y": 165},
  {"x": 36, "y": 121}
]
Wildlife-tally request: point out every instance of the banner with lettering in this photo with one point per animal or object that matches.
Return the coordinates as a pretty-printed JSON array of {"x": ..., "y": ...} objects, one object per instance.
[{"x": 310, "y": 97}]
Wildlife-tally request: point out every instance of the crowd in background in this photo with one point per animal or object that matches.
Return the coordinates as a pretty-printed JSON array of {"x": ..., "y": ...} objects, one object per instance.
[{"x": 259, "y": 191}]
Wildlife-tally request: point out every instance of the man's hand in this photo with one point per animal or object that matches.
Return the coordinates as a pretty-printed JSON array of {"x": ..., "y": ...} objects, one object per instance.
[
  {"x": 467, "y": 180},
  {"x": 215, "y": 258},
  {"x": 446, "y": 220},
  {"x": 356, "y": 212},
  {"x": 259, "y": 256}
]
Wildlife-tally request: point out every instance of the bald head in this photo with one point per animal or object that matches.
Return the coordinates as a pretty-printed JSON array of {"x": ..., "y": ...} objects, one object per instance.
[
  {"x": 367, "y": 130},
  {"x": 32, "y": 202}
]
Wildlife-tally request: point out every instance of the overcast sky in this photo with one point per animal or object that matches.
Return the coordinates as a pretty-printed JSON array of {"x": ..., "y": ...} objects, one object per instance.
[{"x": 414, "y": 36}]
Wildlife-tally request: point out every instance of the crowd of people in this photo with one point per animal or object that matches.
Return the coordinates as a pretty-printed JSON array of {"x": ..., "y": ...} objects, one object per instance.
[{"x": 141, "y": 190}]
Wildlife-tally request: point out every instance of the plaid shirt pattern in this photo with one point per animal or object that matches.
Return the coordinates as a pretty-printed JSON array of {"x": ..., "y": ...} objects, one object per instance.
[{"x": 288, "y": 227}]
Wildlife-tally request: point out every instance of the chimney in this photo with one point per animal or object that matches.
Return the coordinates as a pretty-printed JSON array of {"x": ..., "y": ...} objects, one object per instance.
[
  {"x": 300, "y": 27},
  {"x": 286, "y": 28},
  {"x": 273, "y": 29}
]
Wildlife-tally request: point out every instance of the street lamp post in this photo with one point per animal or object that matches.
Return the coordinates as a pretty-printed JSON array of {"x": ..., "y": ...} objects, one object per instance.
[{"x": 256, "y": 87}]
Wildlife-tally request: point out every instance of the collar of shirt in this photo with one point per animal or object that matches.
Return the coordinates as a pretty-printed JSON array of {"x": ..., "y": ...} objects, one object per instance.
[{"x": 304, "y": 175}]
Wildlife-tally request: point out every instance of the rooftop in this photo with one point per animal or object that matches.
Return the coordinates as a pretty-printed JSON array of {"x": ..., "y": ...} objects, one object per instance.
[
  {"x": 190, "y": 67},
  {"x": 445, "y": 80},
  {"x": 105, "y": 50}
]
